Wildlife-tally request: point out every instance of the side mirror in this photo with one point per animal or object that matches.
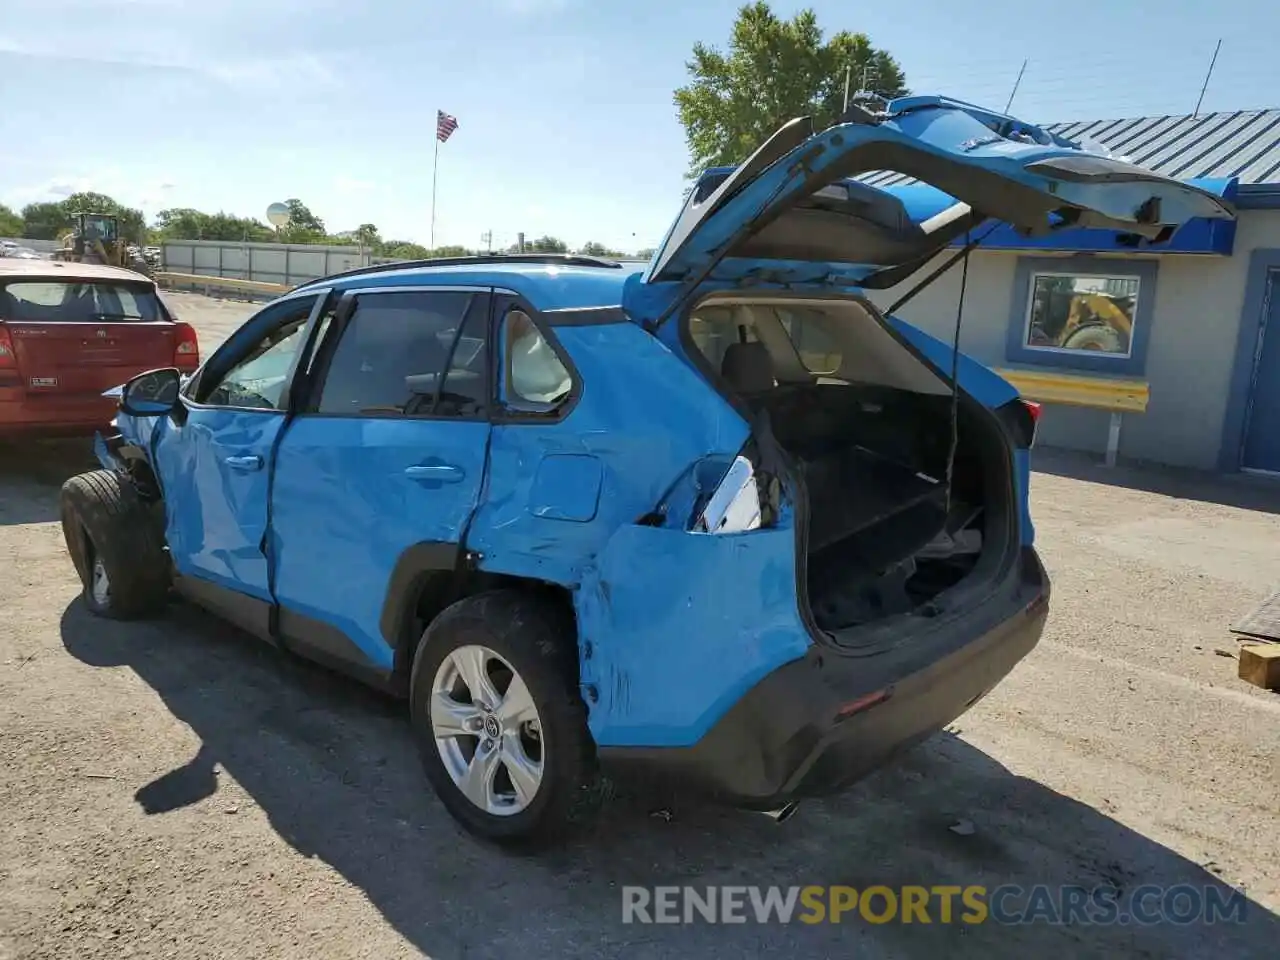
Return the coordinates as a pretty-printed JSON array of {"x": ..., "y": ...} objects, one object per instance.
[{"x": 151, "y": 394}]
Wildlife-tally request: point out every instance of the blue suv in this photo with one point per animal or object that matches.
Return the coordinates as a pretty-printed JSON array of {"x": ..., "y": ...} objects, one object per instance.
[{"x": 715, "y": 518}]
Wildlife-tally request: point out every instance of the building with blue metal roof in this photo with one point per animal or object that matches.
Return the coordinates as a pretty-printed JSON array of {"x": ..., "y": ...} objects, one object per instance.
[{"x": 1197, "y": 320}]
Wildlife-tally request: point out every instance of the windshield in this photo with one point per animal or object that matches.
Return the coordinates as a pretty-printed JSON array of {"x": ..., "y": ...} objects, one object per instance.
[{"x": 44, "y": 301}]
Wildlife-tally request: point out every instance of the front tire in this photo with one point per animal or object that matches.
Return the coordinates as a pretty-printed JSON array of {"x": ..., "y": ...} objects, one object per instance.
[
  {"x": 499, "y": 722},
  {"x": 116, "y": 546}
]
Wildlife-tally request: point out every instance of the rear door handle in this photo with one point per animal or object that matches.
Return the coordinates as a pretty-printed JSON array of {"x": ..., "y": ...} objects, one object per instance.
[
  {"x": 252, "y": 462},
  {"x": 441, "y": 472}
]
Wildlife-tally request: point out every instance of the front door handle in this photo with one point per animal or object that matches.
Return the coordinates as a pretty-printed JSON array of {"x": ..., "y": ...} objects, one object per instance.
[
  {"x": 252, "y": 462},
  {"x": 440, "y": 472}
]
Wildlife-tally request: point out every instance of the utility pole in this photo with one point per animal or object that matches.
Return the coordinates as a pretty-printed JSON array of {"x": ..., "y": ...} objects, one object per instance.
[
  {"x": 1206, "y": 77},
  {"x": 1016, "y": 83},
  {"x": 848, "y": 72},
  {"x": 487, "y": 237}
]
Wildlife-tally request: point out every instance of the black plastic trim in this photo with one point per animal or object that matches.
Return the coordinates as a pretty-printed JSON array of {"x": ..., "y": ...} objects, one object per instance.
[
  {"x": 246, "y": 612},
  {"x": 327, "y": 645},
  {"x": 415, "y": 566},
  {"x": 585, "y": 316}
]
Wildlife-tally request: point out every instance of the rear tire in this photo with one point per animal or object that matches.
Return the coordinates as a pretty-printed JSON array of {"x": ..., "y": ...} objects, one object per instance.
[
  {"x": 525, "y": 800},
  {"x": 116, "y": 545}
]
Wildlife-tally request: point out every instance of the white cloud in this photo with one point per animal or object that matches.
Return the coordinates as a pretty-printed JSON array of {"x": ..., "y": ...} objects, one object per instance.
[{"x": 149, "y": 196}]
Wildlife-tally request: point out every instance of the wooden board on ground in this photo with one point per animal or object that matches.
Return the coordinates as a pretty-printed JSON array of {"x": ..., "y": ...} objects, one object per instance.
[{"x": 1260, "y": 665}]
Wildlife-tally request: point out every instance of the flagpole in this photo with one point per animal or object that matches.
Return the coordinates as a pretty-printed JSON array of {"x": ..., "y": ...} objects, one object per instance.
[{"x": 435, "y": 167}]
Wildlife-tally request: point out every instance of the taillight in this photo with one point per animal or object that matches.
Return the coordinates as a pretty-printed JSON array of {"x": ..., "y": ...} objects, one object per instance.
[
  {"x": 1020, "y": 417},
  {"x": 186, "y": 352},
  {"x": 8, "y": 360}
]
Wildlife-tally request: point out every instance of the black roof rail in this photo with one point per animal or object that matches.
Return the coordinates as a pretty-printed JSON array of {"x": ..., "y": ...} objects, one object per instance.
[{"x": 552, "y": 259}]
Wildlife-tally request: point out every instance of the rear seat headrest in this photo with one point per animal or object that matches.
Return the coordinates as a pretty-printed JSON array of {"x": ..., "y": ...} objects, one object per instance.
[{"x": 748, "y": 367}]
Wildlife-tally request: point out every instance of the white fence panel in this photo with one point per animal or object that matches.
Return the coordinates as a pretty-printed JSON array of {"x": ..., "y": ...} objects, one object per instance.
[{"x": 289, "y": 264}]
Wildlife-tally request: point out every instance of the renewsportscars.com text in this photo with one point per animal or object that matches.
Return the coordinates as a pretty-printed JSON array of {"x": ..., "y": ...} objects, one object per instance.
[{"x": 1009, "y": 904}]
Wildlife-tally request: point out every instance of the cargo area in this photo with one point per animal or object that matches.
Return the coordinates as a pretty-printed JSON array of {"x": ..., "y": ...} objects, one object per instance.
[{"x": 867, "y": 426}]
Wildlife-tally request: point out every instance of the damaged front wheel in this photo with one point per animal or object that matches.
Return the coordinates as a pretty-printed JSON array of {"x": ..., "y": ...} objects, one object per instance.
[{"x": 117, "y": 549}]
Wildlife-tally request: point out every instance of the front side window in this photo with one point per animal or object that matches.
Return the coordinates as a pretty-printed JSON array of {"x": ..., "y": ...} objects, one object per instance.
[
  {"x": 52, "y": 301},
  {"x": 257, "y": 382},
  {"x": 1070, "y": 312},
  {"x": 410, "y": 353}
]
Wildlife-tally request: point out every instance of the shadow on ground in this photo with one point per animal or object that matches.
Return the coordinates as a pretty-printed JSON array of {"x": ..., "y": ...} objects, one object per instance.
[
  {"x": 334, "y": 769},
  {"x": 31, "y": 473},
  {"x": 1246, "y": 491}
]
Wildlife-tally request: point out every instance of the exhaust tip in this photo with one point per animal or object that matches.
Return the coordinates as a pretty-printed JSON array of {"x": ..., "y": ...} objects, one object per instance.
[{"x": 783, "y": 813}]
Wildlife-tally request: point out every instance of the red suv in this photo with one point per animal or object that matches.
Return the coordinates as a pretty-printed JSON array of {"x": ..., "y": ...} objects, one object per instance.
[{"x": 69, "y": 331}]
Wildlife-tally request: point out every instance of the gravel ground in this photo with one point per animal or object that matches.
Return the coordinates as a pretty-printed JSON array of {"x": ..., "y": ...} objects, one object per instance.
[{"x": 176, "y": 789}]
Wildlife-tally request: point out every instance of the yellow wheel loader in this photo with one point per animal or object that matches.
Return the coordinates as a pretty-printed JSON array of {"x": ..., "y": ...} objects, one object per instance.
[{"x": 95, "y": 238}]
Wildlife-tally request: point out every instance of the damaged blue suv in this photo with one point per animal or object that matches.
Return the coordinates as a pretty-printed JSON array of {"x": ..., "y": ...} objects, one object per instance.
[{"x": 716, "y": 518}]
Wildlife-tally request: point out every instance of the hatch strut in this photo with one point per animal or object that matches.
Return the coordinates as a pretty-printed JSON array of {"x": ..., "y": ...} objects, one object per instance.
[
  {"x": 955, "y": 380},
  {"x": 961, "y": 255}
]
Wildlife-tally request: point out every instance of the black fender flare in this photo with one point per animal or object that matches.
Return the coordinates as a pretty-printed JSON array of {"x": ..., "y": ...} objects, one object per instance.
[{"x": 416, "y": 566}]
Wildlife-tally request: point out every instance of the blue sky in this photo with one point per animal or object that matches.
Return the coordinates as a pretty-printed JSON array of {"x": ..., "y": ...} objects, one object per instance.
[{"x": 566, "y": 120}]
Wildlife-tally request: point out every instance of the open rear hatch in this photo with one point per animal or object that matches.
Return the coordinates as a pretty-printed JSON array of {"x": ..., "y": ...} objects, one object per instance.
[
  {"x": 908, "y": 503},
  {"x": 791, "y": 213}
]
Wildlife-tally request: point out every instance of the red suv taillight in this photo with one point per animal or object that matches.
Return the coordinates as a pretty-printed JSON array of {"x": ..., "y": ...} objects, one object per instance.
[
  {"x": 9, "y": 376},
  {"x": 186, "y": 352}
]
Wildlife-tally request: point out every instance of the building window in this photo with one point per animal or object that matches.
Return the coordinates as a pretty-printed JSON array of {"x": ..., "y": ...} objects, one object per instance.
[
  {"x": 1085, "y": 313},
  {"x": 1072, "y": 312}
]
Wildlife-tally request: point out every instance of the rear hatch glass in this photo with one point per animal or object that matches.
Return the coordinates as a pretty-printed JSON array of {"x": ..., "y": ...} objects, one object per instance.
[{"x": 82, "y": 337}]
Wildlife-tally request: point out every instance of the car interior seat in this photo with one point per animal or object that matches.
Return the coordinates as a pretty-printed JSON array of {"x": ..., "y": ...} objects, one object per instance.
[{"x": 748, "y": 368}]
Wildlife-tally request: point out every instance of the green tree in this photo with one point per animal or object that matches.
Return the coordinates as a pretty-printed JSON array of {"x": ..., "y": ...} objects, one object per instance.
[
  {"x": 43, "y": 221},
  {"x": 367, "y": 235},
  {"x": 405, "y": 250},
  {"x": 451, "y": 251},
  {"x": 11, "y": 224},
  {"x": 303, "y": 226},
  {"x": 548, "y": 245},
  {"x": 184, "y": 223},
  {"x": 593, "y": 249},
  {"x": 646, "y": 254},
  {"x": 774, "y": 70}
]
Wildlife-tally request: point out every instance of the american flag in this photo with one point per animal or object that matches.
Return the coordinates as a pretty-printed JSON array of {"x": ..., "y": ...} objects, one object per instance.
[{"x": 445, "y": 125}]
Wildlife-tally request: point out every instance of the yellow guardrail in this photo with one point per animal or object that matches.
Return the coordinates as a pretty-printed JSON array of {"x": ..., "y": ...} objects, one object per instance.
[
  {"x": 1080, "y": 390},
  {"x": 1115, "y": 394},
  {"x": 223, "y": 283}
]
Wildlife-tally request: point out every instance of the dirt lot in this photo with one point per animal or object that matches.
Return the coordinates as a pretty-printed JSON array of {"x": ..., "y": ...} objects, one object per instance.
[{"x": 175, "y": 789}]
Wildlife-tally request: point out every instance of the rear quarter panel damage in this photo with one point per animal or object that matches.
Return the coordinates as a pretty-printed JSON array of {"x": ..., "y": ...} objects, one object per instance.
[
  {"x": 672, "y": 626},
  {"x": 676, "y": 627}
]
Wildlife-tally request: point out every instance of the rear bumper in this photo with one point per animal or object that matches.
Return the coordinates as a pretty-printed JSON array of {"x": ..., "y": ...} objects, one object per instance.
[
  {"x": 55, "y": 415},
  {"x": 816, "y": 725}
]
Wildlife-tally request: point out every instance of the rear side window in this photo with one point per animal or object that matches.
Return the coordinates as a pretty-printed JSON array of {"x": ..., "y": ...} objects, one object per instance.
[
  {"x": 45, "y": 301},
  {"x": 416, "y": 353}
]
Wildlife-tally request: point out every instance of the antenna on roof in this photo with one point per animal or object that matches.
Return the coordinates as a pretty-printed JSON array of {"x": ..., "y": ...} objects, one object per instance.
[
  {"x": 1206, "y": 78},
  {"x": 1014, "y": 91}
]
